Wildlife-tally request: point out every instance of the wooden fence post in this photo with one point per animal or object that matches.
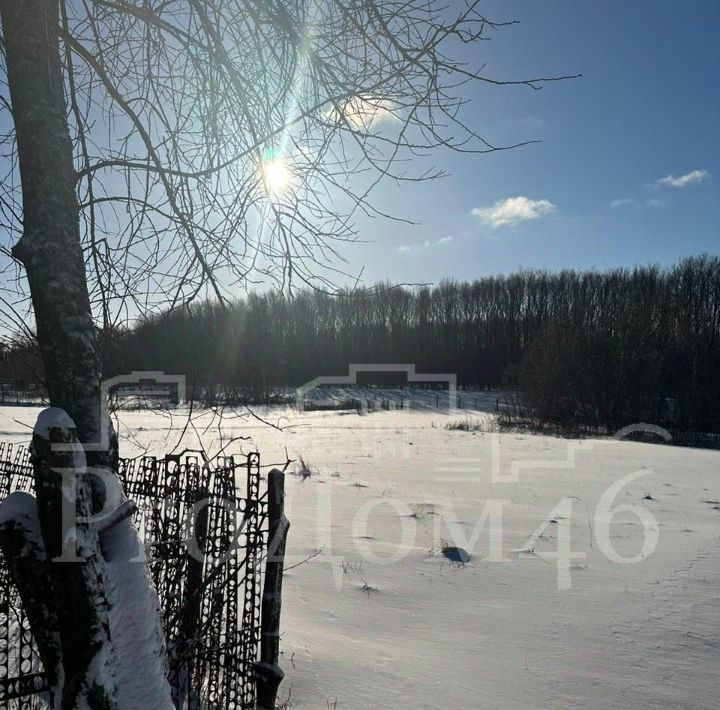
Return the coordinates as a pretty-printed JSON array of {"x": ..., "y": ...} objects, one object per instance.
[{"x": 268, "y": 673}]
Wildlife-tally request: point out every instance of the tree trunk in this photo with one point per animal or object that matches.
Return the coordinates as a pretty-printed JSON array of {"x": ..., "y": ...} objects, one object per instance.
[
  {"x": 50, "y": 246},
  {"x": 78, "y": 587},
  {"x": 95, "y": 619}
]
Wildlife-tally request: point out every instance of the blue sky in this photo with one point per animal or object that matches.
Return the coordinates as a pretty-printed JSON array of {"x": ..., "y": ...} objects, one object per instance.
[{"x": 646, "y": 108}]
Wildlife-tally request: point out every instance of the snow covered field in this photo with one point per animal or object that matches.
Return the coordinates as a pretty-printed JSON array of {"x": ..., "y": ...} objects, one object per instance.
[{"x": 593, "y": 581}]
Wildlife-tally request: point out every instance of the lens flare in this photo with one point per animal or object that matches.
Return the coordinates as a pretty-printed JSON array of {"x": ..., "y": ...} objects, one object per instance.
[{"x": 276, "y": 175}]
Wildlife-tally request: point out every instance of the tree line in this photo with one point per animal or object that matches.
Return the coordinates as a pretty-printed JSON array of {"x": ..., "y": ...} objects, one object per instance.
[{"x": 600, "y": 348}]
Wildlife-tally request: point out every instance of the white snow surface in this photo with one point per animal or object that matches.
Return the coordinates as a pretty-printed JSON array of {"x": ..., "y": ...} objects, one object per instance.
[
  {"x": 140, "y": 675},
  {"x": 52, "y": 418},
  {"x": 379, "y": 619}
]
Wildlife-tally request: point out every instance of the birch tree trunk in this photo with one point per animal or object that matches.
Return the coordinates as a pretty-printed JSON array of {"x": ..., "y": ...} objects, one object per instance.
[{"x": 95, "y": 618}]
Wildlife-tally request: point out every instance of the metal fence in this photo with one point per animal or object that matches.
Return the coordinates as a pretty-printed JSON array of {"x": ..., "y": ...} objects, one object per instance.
[{"x": 210, "y": 607}]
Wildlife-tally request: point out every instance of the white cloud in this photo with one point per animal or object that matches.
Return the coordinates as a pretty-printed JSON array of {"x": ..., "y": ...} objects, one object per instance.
[
  {"x": 364, "y": 111},
  {"x": 653, "y": 202},
  {"x": 622, "y": 202},
  {"x": 425, "y": 245},
  {"x": 512, "y": 211},
  {"x": 692, "y": 178}
]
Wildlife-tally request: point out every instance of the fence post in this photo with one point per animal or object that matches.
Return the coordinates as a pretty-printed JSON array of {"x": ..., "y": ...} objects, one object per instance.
[
  {"x": 268, "y": 673},
  {"x": 191, "y": 619}
]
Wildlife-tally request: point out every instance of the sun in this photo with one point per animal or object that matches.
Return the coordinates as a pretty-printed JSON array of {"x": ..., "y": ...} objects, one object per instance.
[{"x": 276, "y": 175}]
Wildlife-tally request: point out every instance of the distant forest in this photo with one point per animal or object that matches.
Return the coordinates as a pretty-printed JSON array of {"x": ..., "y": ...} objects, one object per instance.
[{"x": 605, "y": 348}]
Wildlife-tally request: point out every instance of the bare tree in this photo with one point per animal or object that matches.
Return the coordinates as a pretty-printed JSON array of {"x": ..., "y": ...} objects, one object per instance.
[{"x": 163, "y": 150}]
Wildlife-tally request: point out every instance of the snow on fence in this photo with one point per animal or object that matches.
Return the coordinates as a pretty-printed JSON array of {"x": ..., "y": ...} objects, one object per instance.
[{"x": 211, "y": 607}]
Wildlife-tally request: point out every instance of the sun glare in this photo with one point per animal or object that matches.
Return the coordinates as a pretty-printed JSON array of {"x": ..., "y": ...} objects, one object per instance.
[{"x": 276, "y": 175}]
